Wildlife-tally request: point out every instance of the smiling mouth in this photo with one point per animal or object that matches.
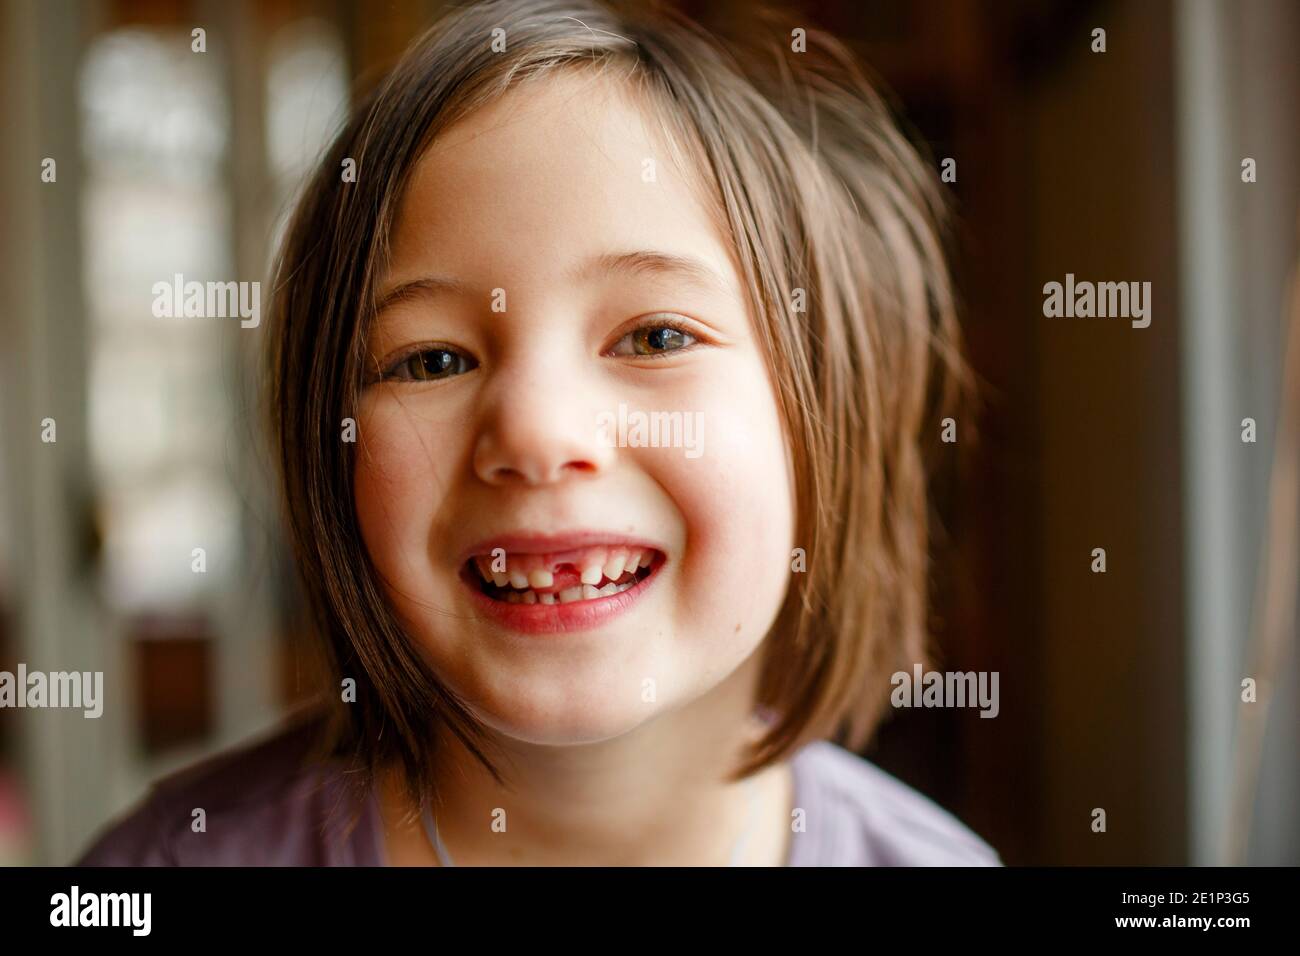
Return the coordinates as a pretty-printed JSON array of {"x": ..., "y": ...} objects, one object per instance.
[{"x": 586, "y": 575}]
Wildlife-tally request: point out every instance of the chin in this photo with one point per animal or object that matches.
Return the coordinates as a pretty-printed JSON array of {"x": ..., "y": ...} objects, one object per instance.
[
  {"x": 563, "y": 731},
  {"x": 547, "y": 719}
]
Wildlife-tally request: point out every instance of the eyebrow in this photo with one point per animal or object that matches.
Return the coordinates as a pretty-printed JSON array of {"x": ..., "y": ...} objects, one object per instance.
[
  {"x": 642, "y": 262},
  {"x": 425, "y": 285},
  {"x": 646, "y": 262}
]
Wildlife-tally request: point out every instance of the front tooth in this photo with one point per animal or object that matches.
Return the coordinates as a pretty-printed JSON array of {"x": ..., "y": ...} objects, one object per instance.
[
  {"x": 546, "y": 597},
  {"x": 590, "y": 591},
  {"x": 518, "y": 579},
  {"x": 591, "y": 569},
  {"x": 571, "y": 594},
  {"x": 615, "y": 565},
  {"x": 541, "y": 578}
]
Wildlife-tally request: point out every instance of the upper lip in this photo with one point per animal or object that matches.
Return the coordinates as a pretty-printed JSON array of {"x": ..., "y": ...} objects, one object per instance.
[{"x": 534, "y": 542}]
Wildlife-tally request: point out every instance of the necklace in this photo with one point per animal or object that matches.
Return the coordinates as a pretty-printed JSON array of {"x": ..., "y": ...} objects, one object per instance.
[{"x": 737, "y": 851}]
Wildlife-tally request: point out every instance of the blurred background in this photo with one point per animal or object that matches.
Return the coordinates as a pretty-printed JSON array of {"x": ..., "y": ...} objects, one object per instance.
[{"x": 1120, "y": 691}]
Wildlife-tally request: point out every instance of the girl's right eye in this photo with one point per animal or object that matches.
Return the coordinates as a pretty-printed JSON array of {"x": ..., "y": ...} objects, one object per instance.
[{"x": 428, "y": 365}]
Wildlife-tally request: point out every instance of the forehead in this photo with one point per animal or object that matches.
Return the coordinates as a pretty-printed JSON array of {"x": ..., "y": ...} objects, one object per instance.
[{"x": 555, "y": 170}]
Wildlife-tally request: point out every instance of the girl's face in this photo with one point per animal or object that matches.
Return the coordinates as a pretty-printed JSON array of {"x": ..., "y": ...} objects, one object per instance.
[{"x": 571, "y": 474}]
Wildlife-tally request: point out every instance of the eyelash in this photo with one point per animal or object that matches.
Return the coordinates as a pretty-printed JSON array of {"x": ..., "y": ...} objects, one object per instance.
[{"x": 652, "y": 322}]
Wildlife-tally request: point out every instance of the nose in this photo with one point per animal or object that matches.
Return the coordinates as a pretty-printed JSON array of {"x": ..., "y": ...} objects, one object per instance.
[{"x": 539, "y": 429}]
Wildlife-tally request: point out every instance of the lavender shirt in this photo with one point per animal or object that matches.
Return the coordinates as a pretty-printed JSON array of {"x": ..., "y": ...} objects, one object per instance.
[{"x": 265, "y": 807}]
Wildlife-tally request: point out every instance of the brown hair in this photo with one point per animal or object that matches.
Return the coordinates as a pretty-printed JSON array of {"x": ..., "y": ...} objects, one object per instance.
[{"x": 818, "y": 190}]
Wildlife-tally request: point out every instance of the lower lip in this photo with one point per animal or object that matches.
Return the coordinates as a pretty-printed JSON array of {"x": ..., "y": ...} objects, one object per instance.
[{"x": 561, "y": 618}]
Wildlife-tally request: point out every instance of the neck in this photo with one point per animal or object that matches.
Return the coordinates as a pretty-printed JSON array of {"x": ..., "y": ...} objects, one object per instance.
[{"x": 657, "y": 795}]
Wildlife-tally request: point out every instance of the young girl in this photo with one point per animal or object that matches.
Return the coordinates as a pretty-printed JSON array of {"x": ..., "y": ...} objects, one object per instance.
[{"x": 603, "y": 359}]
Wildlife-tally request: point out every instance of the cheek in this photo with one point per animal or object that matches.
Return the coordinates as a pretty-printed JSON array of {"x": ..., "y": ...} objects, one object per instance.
[
  {"x": 398, "y": 475},
  {"x": 737, "y": 503}
]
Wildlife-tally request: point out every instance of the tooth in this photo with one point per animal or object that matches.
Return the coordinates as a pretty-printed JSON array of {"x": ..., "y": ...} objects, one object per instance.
[
  {"x": 484, "y": 566},
  {"x": 513, "y": 597},
  {"x": 541, "y": 578},
  {"x": 629, "y": 564},
  {"x": 518, "y": 579},
  {"x": 590, "y": 591},
  {"x": 500, "y": 578},
  {"x": 571, "y": 594},
  {"x": 610, "y": 588},
  {"x": 592, "y": 563},
  {"x": 546, "y": 597},
  {"x": 614, "y": 566},
  {"x": 646, "y": 558},
  {"x": 530, "y": 597}
]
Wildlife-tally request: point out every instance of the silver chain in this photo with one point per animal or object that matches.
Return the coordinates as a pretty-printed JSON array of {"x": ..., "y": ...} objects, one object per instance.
[{"x": 737, "y": 851}]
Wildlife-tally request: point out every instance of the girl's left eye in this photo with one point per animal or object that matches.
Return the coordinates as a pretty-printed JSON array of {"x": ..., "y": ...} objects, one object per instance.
[{"x": 653, "y": 338}]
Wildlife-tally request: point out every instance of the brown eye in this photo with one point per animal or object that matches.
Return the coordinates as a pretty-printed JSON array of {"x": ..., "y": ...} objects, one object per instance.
[
  {"x": 655, "y": 339},
  {"x": 429, "y": 365}
]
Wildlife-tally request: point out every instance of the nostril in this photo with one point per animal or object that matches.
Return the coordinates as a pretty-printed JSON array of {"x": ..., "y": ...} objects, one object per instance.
[{"x": 505, "y": 474}]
